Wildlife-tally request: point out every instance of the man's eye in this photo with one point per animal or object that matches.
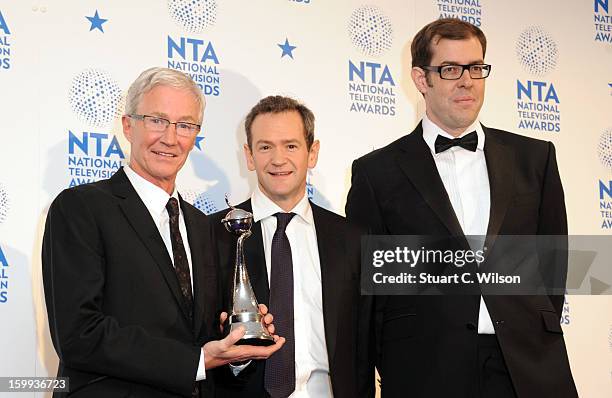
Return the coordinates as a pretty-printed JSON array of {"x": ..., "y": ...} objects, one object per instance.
[
  {"x": 451, "y": 69},
  {"x": 186, "y": 126},
  {"x": 156, "y": 120},
  {"x": 476, "y": 68},
  {"x": 292, "y": 147}
]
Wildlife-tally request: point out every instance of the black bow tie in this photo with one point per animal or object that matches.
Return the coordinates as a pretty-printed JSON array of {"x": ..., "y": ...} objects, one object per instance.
[{"x": 469, "y": 142}]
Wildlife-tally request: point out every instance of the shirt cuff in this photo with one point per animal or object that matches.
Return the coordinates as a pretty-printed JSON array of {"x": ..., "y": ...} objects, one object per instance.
[
  {"x": 236, "y": 369},
  {"x": 201, "y": 374}
]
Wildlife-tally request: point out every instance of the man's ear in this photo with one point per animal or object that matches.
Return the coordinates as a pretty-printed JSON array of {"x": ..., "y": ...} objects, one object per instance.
[
  {"x": 419, "y": 77},
  {"x": 126, "y": 122},
  {"x": 248, "y": 155},
  {"x": 313, "y": 154}
]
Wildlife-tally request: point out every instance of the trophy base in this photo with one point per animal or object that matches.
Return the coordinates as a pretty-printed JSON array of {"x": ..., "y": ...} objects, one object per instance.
[
  {"x": 255, "y": 341},
  {"x": 255, "y": 333}
]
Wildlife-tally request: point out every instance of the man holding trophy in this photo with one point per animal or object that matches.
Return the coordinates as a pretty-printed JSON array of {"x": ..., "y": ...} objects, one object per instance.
[
  {"x": 303, "y": 262},
  {"x": 128, "y": 271}
]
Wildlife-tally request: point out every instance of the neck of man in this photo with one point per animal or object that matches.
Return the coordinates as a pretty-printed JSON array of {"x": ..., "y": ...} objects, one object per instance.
[
  {"x": 165, "y": 184},
  {"x": 288, "y": 203},
  {"x": 454, "y": 132}
]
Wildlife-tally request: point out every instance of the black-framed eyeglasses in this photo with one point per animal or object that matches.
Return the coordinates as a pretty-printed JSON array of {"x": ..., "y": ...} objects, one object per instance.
[
  {"x": 454, "y": 72},
  {"x": 159, "y": 125}
]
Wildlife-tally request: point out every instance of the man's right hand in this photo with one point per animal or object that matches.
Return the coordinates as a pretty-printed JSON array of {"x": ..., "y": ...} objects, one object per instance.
[{"x": 221, "y": 352}]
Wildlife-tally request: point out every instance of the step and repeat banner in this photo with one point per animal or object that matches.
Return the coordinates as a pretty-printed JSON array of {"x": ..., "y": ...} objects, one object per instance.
[{"x": 65, "y": 67}]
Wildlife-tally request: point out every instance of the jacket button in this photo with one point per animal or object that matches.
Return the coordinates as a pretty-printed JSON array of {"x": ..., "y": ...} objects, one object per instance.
[{"x": 499, "y": 323}]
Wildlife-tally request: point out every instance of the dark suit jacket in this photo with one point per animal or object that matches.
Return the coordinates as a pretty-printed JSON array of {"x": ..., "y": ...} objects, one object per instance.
[
  {"x": 339, "y": 255},
  {"x": 426, "y": 346},
  {"x": 113, "y": 298}
]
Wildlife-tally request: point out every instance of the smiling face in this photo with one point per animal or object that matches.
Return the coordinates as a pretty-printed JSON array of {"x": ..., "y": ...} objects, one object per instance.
[
  {"x": 453, "y": 105},
  {"x": 280, "y": 156},
  {"x": 157, "y": 157}
]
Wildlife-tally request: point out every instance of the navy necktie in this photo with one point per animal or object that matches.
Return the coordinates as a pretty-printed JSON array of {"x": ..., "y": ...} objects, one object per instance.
[
  {"x": 469, "y": 142},
  {"x": 279, "y": 378},
  {"x": 181, "y": 264}
]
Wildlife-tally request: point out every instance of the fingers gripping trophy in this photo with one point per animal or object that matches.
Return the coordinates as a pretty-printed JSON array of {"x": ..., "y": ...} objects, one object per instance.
[{"x": 245, "y": 309}]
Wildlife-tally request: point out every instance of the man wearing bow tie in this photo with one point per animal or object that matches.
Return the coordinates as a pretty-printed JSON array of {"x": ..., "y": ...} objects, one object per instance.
[{"x": 452, "y": 176}]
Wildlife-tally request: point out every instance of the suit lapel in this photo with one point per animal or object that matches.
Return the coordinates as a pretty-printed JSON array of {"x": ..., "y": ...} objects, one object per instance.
[
  {"x": 256, "y": 259},
  {"x": 331, "y": 257},
  {"x": 417, "y": 163},
  {"x": 500, "y": 160},
  {"x": 140, "y": 219}
]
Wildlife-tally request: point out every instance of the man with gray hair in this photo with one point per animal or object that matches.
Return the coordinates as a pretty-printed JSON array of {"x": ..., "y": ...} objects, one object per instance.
[{"x": 130, "y": 282}]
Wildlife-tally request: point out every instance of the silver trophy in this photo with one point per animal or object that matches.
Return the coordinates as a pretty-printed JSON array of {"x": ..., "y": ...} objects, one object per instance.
[{"x": 245, "y": 311}]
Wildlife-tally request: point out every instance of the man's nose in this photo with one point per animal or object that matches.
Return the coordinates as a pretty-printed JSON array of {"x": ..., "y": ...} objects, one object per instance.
[
  {"x": 466, "y": 80},
  {"x": 170, "y": 136},
  {"x": 278, "y": 157}
]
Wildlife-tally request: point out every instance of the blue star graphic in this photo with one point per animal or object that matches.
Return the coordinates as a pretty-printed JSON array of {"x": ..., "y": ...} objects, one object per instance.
[
  {"x": 287, "y": 48},
  {"x": 96, "y": 22},
  {"x": 610, "y": 84},
  {"x": 198, "y": 141}
]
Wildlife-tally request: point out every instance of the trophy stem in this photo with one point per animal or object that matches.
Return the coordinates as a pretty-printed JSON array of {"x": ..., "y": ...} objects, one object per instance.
[
  {"x": 245, "y": 310},
  {"x": 244, "y": 299}
]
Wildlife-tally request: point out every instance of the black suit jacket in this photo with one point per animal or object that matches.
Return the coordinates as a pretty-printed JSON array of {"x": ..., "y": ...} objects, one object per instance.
[
  {"x": 426, "y": 346},
  {"x": 339, "y": 255},
  {"x": 113, "y": 298}
]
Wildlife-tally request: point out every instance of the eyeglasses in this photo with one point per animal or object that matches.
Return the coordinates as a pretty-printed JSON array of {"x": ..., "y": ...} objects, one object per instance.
[
  {"x": 454, "y": 72},
  {"x": 159, "y": 125}
]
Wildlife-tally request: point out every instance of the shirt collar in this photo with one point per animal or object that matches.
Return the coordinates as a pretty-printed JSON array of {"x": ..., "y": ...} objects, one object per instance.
[
  {"x": 154, "y": 198},
  {"x": 264, "y": 207},
  {"x": 431, "y": 132}
]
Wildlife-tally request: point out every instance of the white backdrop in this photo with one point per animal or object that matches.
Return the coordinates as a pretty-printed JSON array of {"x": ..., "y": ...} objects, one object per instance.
[{"x": 65, "y": 67}]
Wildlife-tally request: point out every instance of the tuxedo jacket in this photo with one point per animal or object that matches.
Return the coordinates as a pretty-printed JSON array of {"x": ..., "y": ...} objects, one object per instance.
[
  {"x": 426, "y": 346},
  {"x": 338, "y": 243},
  {"x": 115, "y": 312}
]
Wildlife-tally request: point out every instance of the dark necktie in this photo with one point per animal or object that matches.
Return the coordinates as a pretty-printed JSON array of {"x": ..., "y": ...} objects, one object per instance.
[
  {"x": 469, "y": 142},
  {"x": 280, "y": 367},
  {"x": 181, "y": 264}
]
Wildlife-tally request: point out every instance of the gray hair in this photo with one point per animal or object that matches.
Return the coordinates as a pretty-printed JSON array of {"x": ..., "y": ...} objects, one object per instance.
[{"x": 157, "y": 76}]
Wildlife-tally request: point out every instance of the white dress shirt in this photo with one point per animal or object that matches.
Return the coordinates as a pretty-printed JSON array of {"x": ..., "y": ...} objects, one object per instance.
[
  {"x": 155, "y": 200},
  {"x": 465, "y": 177},
  {"x": 311, "y": 362}
]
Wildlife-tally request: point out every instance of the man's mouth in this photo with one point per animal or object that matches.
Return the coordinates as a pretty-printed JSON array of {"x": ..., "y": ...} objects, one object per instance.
[
  {"x": 464, "y": 100},
  {"x": 164, "y": 154},
  {"x": 280, "y": 173}
]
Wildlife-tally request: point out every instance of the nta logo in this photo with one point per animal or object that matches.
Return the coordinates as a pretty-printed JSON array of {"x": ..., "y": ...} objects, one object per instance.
[
  {"x": 602, "y": 21},
  {"x": 604, "y": 152}
]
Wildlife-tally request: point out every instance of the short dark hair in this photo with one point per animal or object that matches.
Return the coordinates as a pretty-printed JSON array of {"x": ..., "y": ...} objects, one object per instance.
[
  {"x": 443, "y": 28},
  {"x": 279, "y": 104}
]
